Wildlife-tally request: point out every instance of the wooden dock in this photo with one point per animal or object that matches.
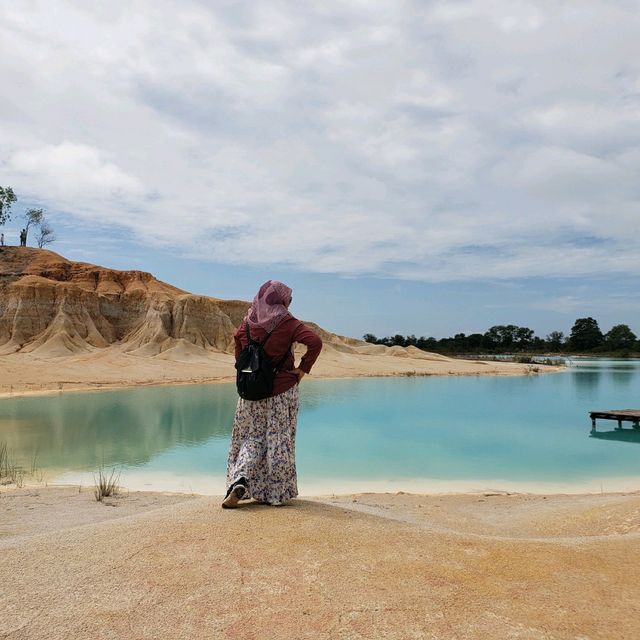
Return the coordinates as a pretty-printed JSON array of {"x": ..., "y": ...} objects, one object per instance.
[{"x": 621, "y": 415}]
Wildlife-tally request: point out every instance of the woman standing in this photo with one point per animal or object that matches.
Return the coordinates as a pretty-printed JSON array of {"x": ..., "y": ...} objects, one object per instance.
[{"x": 262, "y": 462}]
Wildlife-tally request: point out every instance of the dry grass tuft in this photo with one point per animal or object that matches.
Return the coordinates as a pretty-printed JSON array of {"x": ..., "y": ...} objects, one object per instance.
[
  {"x": 106, "y": 485},
  {"x": 10, "y": 471}
]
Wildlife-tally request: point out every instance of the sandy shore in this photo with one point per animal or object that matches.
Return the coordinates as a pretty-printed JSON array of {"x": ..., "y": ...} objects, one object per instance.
[
  {"x": 26, "y": 374},
  {"x": 148, "y": 565}
]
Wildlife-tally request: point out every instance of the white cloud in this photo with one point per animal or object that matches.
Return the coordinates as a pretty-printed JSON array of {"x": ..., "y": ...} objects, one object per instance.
[
  {"x": 69, "y": 169},
  {"x": 432, "y": 141}
]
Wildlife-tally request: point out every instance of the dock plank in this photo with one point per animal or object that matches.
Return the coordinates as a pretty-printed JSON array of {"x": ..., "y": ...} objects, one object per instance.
[{"x": 632, "y": 413}]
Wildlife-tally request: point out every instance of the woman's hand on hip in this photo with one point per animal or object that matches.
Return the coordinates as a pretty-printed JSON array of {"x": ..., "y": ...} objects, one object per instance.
[{"x": 298, "y": 372}]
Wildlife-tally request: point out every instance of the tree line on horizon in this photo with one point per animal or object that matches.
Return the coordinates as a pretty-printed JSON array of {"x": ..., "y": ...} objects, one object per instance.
[
  {"x": 585, "y": 337},
  {"x": 34, "y": 218}
]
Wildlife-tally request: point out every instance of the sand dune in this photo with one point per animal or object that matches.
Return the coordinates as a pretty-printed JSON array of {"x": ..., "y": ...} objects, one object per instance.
[{"x": 75, "y": 325}]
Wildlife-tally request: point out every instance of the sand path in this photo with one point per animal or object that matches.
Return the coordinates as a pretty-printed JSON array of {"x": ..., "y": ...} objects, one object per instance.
[{"x": 365, "y": 566}]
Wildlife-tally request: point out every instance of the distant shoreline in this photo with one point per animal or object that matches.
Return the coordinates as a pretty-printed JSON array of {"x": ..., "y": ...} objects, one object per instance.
[{"x": 66, "y": 388}]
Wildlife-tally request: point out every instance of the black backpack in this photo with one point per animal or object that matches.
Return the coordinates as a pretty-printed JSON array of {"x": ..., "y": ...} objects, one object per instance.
[{"x": 254, "y": 372}]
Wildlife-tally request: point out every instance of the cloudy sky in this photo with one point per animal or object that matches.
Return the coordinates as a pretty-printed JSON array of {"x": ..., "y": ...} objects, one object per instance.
[{"x": 415, "y": 167}]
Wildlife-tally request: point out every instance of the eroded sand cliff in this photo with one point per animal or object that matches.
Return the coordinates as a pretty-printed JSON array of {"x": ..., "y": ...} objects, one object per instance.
[{"x": 74, "y": 325}]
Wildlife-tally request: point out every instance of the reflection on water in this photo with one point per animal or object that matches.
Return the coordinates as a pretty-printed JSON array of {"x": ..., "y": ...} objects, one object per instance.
[
  {"x": 622, "y": 376},
  {"x": 620, "y": 435},
  {"x": 118, "y": 427},
  {"x": 521, "y": 429},
  {"x": 587, "y": 374},
  {"x": 586, "y": 382}
]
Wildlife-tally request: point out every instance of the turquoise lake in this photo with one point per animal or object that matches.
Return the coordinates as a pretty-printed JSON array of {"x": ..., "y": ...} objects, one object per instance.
[{"x": 422, "y": 433}]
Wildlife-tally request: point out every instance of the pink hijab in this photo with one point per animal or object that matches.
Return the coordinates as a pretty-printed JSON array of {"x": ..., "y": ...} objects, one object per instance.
[{"x": 270, "y": 306}]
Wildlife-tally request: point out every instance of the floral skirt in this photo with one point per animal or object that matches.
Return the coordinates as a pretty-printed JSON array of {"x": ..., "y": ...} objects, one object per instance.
[{"x": 263, "y": 447}]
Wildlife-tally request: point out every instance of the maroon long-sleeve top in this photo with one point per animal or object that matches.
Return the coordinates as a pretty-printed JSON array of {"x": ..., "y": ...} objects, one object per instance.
[{"x": 290, "y": 330}]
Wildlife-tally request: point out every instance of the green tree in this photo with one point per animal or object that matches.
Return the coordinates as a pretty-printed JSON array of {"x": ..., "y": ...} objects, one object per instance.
[
  {"x": 585, "y": 335},
  {"x": 369, "y": 337},
  {"x": 427, "y": 344},
  {"x": 492, "y": 337},
  {"x": 537, "y": 344},
  {"x": 474, "y": 341},
  {"x": 399, "y": 340},
  {"x": 620, "y": 338},
  {"x": 508, "y": 337},
  {"x": 7, "y": 198},
  {"x": 459, "y": 343},
  {"x": 555, "y": 340},
  {"x": 34, "y": 218},
  {"x": 500, "y": 337},
  {"x": 523, "y": 337}
]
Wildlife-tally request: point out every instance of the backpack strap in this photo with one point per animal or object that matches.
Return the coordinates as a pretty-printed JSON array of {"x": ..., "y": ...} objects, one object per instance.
[{"x": 250, "y": 339}]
